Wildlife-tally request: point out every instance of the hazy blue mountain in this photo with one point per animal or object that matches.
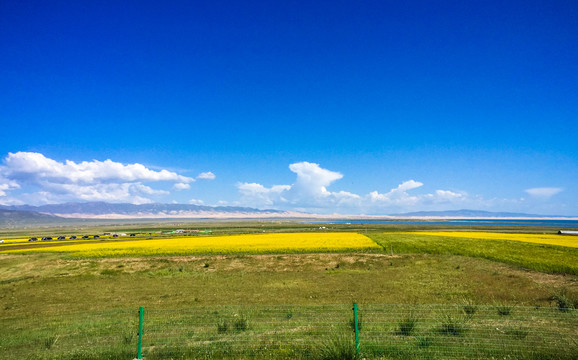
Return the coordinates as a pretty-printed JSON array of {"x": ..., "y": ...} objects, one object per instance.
[
  {"x": 101, "y": 208},
  {"x": 14, "y": 217},
  {"x": 472, "y": 213},
  {"x": 46, "y": 213}
]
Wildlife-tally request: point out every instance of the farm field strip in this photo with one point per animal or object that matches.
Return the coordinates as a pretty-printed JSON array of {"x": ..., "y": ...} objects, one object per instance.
[
  {"x": 184, "y": 245},
  {"x": 10, "y": 240},
  {"x": 546, "y": 239},
  {"x": 49, "y": 242},
  {"x": 10, "y": 244},
  {"x": 538, "y": 256},
  {"x": 26, "y": 240}
]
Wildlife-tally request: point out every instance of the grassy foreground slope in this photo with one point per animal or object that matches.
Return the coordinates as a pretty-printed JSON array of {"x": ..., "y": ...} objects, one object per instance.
[
  {"x": 409, "y": 268},
  {"x": 50, "y": 300},
  {"x": 54, "y": 307}
]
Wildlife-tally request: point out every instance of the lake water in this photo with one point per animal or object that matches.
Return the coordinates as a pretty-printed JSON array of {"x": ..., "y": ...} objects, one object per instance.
[{"x": 496, "y": 222}]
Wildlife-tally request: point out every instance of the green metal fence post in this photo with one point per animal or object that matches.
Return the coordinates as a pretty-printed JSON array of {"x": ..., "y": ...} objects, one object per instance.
[
  {"x": 355, "y": 321},
  {"x": 140, "y": 332}
]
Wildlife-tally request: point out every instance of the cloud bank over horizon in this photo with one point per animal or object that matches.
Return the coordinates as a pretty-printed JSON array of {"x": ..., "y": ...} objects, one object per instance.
[
  {"x": 34, "y": 179},
  {"x": 310, "y": 193}
]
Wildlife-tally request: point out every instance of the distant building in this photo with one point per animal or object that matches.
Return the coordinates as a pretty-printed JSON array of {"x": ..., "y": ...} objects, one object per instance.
[{"x": 567, "y": 232}]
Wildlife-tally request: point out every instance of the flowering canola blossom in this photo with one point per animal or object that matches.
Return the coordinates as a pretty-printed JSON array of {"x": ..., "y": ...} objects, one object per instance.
[
  {"x": 10, "y": 240},
  {"x": 547, "y": 239},
  {"x": 184, "y": 245},
  {"x": 20, "y": 241}
]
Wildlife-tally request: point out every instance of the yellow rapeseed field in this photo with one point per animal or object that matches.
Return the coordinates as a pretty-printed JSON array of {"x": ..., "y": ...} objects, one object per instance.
[
  {"x": 20, "y": 241},
  {"x": 560, "y": 240},
  {"x": 186, "y": 245},
  {"x": 9, "y": 240}
]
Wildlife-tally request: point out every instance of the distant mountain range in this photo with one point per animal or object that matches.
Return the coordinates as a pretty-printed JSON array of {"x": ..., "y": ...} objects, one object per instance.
[
  {"x": 25, "y": 215},
  {"x": 471, "y": 213},
  {"x": 11, "y": 218},
  {"x": 103, "y": 208},
  {"x": 55, "y": 213}
]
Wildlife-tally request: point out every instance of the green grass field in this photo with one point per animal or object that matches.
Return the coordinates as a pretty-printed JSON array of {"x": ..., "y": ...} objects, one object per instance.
[
  {"x": 540, "y": 257},
  {"x": 54, "y": 306}
]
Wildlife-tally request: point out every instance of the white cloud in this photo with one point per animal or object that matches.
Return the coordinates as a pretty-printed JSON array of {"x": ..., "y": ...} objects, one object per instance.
[
  {"x": 8, "y": 201},
  {"x": 544, "y": 192},
  {"x": 196, "y": 202},
  {"x": 448, "y": 194},
  {"x": 311, "y": 183},
  {"x": 36, "y": 167},
  {"x": 128, "y": 192},
  {"x": 399, "y": 199},
  {"x": 308, "y": 192},
  {"x": 399, "y": 195},
  {"x": 206, "y": 176},
  {"x": 44, "y": 180},
  {"x": 7, "y": 185},
  {"x": 138, "y": 187},
  {"x": 311, "y": 175},
  {"x": 257, "y": 195},
  {"x": 408, "y": 185},
  {"x": 181, "y": 186}
]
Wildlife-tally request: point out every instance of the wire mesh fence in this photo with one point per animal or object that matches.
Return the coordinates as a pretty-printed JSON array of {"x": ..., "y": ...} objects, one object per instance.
[
  {"x": 299, "y": 332},
  {"x": 469, "y": 331},
  {"x": 74, "y": 335}
]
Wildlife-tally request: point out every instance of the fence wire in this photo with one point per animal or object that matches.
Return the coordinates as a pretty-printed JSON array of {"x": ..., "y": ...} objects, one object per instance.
[{"x": 299, "y": 332}]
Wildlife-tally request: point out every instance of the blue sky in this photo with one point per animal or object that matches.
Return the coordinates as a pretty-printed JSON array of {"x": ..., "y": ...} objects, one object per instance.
[{"x": 354, "y": 107}]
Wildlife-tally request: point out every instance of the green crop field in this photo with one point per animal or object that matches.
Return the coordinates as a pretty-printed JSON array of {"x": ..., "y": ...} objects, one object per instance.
[
  {"x": 414, "y": 293},
  {"x": 537, "y": 256}
]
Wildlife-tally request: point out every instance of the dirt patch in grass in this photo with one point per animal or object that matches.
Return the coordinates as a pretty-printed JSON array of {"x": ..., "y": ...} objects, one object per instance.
[
  {"x": 550, "y": 279},
  {"x": 246, "y": 263}
]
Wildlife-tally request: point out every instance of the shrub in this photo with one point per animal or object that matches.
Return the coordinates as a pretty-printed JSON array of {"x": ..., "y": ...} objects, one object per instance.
[
  {"x": 128, "y": 336},
  {"x": 241, "y": 323},
  {"x": 110, "y": 272},
  {"x": 359, "y": 323},
  {"x": 504, "y": 310},
  {"x": 469, "y": 308},
  {"x": 407, "y": 325},
  {"x": 518, "y": 333},
  {"x": 453, "y": 325},
  {"x": 50, "y": 341},
  {"x": 222, "y": 326},
  {"x": 423, "y": 342},
  {"x": 564, "y": 302},
  {"x": 339, "y": 347}
]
